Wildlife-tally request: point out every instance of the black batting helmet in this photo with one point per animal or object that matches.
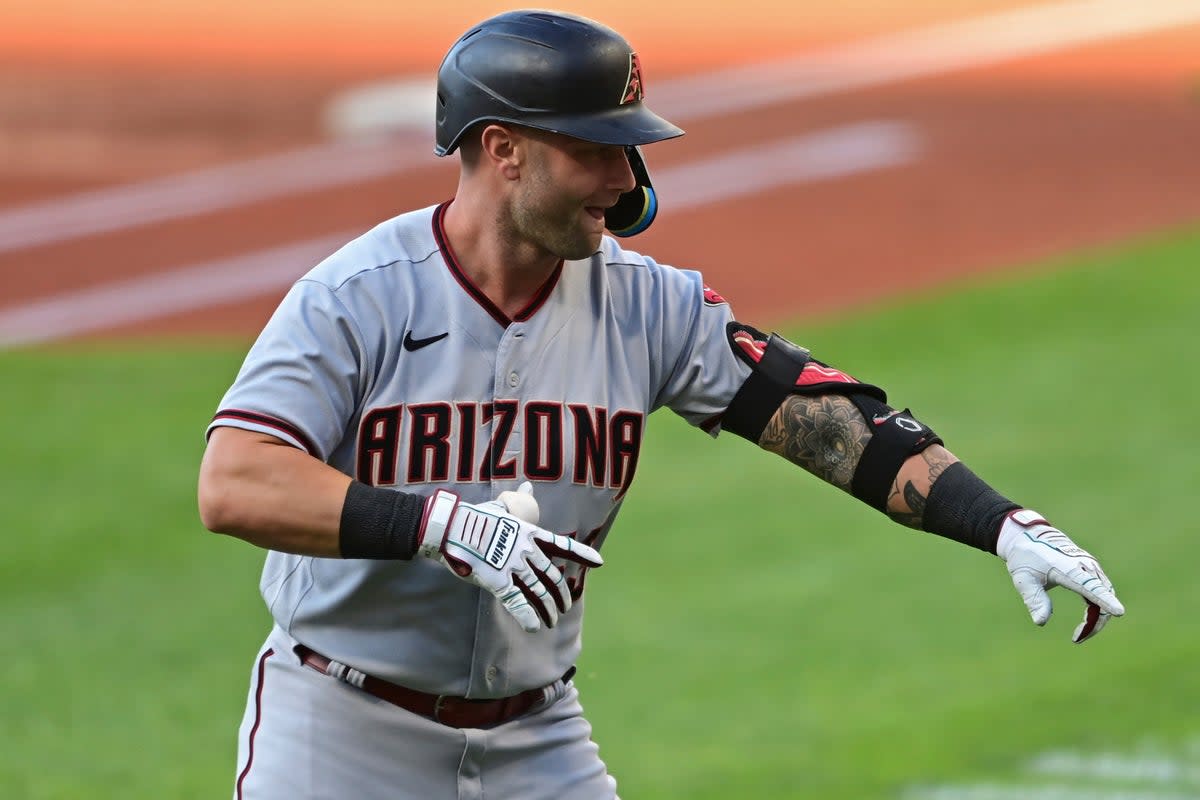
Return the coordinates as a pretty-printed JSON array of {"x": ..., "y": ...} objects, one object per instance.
[
  {"x": 556, "y": 72},
  {"x": 548, "y": 70}
]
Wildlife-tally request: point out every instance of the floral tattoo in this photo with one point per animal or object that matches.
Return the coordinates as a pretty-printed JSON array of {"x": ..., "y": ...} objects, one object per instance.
[{"x": 825, "y": 435}]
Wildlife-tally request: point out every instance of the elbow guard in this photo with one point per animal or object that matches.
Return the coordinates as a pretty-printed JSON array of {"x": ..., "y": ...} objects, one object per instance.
[{"x": 779, "y": 369}]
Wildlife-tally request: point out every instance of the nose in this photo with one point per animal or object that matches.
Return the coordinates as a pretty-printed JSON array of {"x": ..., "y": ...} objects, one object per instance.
[{"x": 622, "y": 172}]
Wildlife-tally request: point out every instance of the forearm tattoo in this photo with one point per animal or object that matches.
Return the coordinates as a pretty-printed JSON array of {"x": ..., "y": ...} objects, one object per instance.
[
  {"x": 825, "y": 435},
  {"x": 906, "y": 504}
]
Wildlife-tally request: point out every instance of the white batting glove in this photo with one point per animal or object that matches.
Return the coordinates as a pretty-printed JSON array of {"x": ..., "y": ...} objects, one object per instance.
[
  {"x": 497, "y": 546},
  {"x": 1040, "y": 557}
]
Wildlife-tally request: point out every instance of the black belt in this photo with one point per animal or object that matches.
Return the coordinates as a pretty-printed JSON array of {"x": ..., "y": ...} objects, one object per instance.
[{"x": 455, "y": 712}]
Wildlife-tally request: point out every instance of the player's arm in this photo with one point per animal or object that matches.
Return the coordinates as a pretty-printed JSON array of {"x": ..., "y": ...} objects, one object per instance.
[
  {"x": 827, "y": 436},
  {"x": 261, "y": 489},
  {"x": 844, "y": 432}
]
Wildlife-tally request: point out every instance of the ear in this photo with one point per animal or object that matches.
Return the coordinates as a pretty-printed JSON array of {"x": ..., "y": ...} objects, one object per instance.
[{"x": 502, "y": 149}]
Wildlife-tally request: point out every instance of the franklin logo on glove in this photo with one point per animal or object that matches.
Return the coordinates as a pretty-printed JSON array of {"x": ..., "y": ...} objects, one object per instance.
[{"x": 502, "y": 542}]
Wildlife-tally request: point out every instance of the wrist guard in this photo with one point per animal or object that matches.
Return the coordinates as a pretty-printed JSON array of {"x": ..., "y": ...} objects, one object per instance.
[
  {"x": 962, "y": 507},
  {"x": 379, "y": 523}
]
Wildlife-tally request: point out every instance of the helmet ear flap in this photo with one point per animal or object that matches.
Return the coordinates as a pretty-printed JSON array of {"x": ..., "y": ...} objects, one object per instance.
[{"x": 636, "y": 209}]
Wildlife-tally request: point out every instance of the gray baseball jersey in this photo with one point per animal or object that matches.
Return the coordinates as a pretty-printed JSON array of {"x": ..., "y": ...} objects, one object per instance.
[{"x": 386, "y": 362}]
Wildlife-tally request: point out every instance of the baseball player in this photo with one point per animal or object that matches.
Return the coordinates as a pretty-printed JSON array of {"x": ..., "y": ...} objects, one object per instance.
[{"x": 433, "y": 434}]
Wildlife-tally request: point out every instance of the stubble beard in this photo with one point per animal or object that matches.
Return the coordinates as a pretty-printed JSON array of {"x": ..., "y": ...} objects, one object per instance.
[{"x": 541, "y": 217}]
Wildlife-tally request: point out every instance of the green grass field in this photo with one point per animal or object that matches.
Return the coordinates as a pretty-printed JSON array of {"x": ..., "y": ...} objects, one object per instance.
[{"x": 754, "y": 634}]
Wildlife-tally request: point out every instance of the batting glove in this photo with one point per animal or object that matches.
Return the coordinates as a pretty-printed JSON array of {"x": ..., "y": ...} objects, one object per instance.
[
  {"x": 498, "y": 546},
  {"x": 1040, "y": 557}
]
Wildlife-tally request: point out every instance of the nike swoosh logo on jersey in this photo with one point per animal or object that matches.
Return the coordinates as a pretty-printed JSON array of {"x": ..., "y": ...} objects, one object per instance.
[{"x": 411, "y": 344}]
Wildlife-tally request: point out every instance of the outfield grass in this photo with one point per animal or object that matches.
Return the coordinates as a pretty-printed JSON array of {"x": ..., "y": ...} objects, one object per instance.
[{"x": 754, "y": 633}]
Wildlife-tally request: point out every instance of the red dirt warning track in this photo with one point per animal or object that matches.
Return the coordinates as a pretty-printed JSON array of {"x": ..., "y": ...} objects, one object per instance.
[{"x": 1017, "y": 161}]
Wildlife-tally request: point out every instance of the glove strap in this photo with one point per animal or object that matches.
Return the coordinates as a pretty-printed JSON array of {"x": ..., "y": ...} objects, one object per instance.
[
  {"x": 439, "y": 509},
  {"x": 1016, "y": 523}
]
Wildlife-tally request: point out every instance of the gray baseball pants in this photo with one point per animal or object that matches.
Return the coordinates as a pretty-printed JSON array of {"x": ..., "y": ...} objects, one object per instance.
[{"x": 308, "y": 736}]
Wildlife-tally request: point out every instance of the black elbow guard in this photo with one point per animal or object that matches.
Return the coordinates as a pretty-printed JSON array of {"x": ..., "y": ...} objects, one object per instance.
[
  {"x": 895, "y": 436},
  {"x": 780, "y": 368}
]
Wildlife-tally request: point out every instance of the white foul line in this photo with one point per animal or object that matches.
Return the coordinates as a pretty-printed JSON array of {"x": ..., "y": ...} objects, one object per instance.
[
  {"x": 1117, "y": 766},
  {"x": 948, "y": 47},
  {"x": 162, "y": 294},
  {"x": 203, "y": 191},
  {"x": 1140, "y": 775},
  {"x": 826, "y": 155},
  {"x": 878, "y": 61},
  {"x": 937, "y": 49}
]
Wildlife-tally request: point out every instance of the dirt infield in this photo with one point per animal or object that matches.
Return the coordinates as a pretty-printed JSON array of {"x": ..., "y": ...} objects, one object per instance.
[{"x": 1018, "y": 160}]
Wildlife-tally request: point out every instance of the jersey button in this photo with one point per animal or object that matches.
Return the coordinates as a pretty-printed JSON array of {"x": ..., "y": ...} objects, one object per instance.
[
  {"x": 490, "y": 673},
  {"x": 513, "y": 379}
]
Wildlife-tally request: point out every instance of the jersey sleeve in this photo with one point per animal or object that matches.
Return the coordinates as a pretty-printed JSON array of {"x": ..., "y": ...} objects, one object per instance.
[
  {"x": 703, "y": 373},
  {"x": 302, "y": 378}
]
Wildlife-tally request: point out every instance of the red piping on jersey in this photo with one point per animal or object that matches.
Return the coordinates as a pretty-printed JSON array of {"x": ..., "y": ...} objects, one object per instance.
[
  {"x": 270, "y": 422},
  {"x": 439, "y": 233},
  {"x": 262, "y": 673}
]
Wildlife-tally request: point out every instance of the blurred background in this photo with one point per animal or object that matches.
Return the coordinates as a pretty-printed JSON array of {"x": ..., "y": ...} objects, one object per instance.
[
  {"x": 989, "y": 207},
  {"x": 915, "y": 140}
]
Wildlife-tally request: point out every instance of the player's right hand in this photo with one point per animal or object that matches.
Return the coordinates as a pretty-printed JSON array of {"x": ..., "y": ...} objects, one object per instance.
[
  {"x": 496, "y": 547},
  {"x": 1040, "y": 557}
]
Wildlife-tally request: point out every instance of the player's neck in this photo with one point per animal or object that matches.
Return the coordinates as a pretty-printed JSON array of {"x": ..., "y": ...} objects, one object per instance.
[{"x": 510, "y": 273}]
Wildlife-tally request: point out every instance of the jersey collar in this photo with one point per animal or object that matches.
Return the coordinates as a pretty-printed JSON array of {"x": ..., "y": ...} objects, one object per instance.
[{"x": 439, "y": 234}]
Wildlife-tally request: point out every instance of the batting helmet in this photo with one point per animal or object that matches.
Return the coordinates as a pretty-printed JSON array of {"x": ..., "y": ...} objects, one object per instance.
[
  {"x": 556, "y": 72},
  {"x": 548, "y": 70}
]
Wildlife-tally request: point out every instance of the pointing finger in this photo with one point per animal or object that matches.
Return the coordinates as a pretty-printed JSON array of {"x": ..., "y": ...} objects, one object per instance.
[
  {"x": 1108, "y": 598},
  {"x": 1093, "y": 586},
  {"x": 1108, "y": 602}
]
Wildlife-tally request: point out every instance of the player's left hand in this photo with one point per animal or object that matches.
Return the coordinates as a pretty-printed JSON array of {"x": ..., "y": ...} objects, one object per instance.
[
  {"x": 1040, "y": 557},
  {"x": 498, "y": 546}
]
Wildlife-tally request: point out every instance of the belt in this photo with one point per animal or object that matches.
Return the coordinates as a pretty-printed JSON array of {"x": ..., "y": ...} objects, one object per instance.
[{"x": 455, "y": 712}]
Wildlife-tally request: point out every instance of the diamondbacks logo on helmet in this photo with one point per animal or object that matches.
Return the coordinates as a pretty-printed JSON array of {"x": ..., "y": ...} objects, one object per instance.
[{"x": 634, "y": 90}]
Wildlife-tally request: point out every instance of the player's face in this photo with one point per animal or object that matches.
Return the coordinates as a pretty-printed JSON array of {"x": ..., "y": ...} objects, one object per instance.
[{"x": 565, "y": 187}]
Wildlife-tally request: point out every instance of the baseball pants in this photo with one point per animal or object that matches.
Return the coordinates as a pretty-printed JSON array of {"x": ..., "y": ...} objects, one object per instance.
[{"x": 307, "y": 736}]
